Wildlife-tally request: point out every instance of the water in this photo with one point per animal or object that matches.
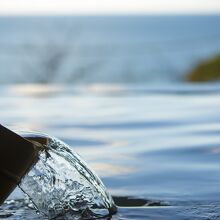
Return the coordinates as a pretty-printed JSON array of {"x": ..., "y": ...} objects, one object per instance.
[
  {"x": 61, "y": 184},
  {"x": 112, "y": 49},
  {"x": 156, "y": 149},
  {"x": 113, "y": 89}
]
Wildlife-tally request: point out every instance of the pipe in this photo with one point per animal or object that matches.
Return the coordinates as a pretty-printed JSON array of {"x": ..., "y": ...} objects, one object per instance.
[{"x": 17, "y": 156}]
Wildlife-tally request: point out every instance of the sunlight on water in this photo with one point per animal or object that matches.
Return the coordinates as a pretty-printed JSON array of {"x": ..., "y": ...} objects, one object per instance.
[{"x": 154, "y": 143}]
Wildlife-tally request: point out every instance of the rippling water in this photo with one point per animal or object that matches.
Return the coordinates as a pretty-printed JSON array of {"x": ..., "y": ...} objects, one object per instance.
[{"x": 160, "y": 145}]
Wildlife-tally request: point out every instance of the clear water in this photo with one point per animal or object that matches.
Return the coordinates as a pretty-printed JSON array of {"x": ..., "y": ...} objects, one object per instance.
[
  {"x": 61, "y": 184},
  {"x": 157, "y": 144}
]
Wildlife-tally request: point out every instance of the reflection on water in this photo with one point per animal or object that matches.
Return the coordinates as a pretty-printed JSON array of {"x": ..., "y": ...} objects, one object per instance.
[
  {"x": 154, "y": 144},
  {"x": 107, "y": 170}
]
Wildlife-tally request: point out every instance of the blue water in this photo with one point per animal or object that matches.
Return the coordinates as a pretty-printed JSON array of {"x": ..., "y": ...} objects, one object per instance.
[
  {"x": 157, "y": 145},
  {"x": 114, "y": 90},
  {"x": 123, "y": 49}
]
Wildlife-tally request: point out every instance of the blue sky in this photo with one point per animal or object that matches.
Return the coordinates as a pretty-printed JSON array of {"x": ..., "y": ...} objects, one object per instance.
[{"x": 22, "y": 7}]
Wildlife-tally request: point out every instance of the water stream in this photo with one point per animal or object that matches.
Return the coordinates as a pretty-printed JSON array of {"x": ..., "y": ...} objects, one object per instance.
[{"x": 61, "y": 184}]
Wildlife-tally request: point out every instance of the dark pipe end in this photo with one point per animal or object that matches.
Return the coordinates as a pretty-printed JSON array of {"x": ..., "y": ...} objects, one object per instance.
[{"x": 17, "y": 156}]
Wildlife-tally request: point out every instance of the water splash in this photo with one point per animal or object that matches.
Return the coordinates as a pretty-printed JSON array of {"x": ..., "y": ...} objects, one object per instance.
[{"x": 61, "y": 184}]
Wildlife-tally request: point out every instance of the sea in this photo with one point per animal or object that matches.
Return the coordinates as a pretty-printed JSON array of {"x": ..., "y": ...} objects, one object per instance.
[
  {"x": 113, "y": 88},
  {"x": 105, "y": 49}
]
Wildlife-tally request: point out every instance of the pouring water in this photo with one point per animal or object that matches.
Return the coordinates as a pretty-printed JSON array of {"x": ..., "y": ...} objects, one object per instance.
[{"x": 62, "y": 184}]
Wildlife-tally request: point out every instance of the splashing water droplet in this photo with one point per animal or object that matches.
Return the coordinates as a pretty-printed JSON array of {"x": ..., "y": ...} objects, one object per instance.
[{"x": 61, "y": 184}]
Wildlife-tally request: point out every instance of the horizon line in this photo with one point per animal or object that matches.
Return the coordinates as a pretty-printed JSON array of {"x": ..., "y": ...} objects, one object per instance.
[{"x": 214, "y": 13}]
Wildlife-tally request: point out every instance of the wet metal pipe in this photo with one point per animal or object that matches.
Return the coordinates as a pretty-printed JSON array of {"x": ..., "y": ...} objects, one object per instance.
[{"x": 17, "y": 156}]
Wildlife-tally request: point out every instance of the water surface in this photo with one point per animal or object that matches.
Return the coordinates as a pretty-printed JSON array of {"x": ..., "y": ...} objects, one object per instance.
[{"x": 161, "y": 145}]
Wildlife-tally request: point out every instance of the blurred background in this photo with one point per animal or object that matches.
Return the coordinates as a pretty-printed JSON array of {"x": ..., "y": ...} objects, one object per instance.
[
  {"x": 132, "y": 86},
  {"x": 105, "y": 41}
]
